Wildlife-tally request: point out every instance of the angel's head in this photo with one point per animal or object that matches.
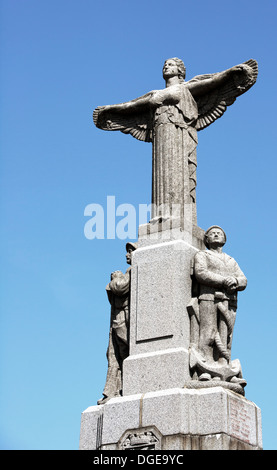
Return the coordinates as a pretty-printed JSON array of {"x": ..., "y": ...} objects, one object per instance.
[{"x": 174, "y": 67}]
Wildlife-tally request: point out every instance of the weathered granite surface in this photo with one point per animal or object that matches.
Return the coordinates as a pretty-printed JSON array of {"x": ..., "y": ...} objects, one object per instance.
[
  {"x": 159, "y": 327},
  {"x": 180, "y": 419}
]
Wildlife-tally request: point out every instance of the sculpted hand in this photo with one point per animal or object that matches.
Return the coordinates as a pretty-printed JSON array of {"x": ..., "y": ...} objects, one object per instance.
[
  {"x": 230, "y": 283},
  {"x": 100, "y": 108},
  {"x": 240, "y": 68},
  {"x": 97, "y": 113},
  {"x": 116, "y": 274}
]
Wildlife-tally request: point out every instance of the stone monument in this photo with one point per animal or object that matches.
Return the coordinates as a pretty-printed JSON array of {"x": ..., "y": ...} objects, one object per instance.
[{"x": 171, "y": 383}]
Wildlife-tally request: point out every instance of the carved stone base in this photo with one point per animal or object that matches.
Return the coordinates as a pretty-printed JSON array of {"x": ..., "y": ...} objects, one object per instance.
[
  {"x": 226, "y": 375},
  {"x": 174, "y": 419},
  {"x": 143, "y": 372}
]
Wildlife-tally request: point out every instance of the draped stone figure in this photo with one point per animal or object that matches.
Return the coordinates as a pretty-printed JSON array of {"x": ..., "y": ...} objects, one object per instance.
[
  {"x": 118, "y": 291},
  {"x": 170, "y": 118}
]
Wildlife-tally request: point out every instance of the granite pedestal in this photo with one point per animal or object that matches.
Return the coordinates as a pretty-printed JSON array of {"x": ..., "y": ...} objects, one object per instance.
[
  {"x": 173, "y": 419},
  {"x": 159, "y": 408}
]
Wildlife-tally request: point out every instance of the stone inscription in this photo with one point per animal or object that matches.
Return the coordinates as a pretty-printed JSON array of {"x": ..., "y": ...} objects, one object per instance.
[{"x": 239, "y": 420}]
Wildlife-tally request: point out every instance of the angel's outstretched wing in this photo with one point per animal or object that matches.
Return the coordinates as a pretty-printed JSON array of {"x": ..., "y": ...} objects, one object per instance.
[
  {"x": 138, "y": 124},
  {"x": 213, "y": 104}
]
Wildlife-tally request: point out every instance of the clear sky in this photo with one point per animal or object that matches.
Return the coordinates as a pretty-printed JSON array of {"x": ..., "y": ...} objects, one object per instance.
[{"x": 59, "y": 60}]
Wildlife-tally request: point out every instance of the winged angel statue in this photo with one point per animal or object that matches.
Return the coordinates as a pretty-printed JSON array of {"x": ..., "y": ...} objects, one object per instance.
[{"x": 170, "y": 119}]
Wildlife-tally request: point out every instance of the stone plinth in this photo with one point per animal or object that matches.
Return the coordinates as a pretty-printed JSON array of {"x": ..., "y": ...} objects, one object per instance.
[
  {"x": 155, "y": 371},
  {"x": 168, "y": 229},
  {"x": 159, "y": 323},
  {"x": 173, "y": 419}
]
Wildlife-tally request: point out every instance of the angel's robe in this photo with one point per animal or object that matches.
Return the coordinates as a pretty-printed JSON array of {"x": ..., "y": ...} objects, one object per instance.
[{"x": 174, "y": 138}]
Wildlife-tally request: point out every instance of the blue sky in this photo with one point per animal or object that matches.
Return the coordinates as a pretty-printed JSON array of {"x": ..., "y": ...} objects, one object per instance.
[{"x": 59, "y": 60}]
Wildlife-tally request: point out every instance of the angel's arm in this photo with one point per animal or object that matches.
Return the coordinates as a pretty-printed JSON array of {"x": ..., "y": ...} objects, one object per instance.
[
  {"x": 140, "y": 103},
  {"x": 201, "y": 87},
  {"x": 150, "y": 100}
]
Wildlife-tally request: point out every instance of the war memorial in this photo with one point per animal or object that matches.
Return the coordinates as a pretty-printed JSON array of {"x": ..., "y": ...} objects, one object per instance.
[{"x": 171, "y": 382}]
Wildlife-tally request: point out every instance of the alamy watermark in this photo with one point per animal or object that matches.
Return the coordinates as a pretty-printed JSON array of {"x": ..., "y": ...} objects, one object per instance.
[{"x": 122, "y": 221}]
